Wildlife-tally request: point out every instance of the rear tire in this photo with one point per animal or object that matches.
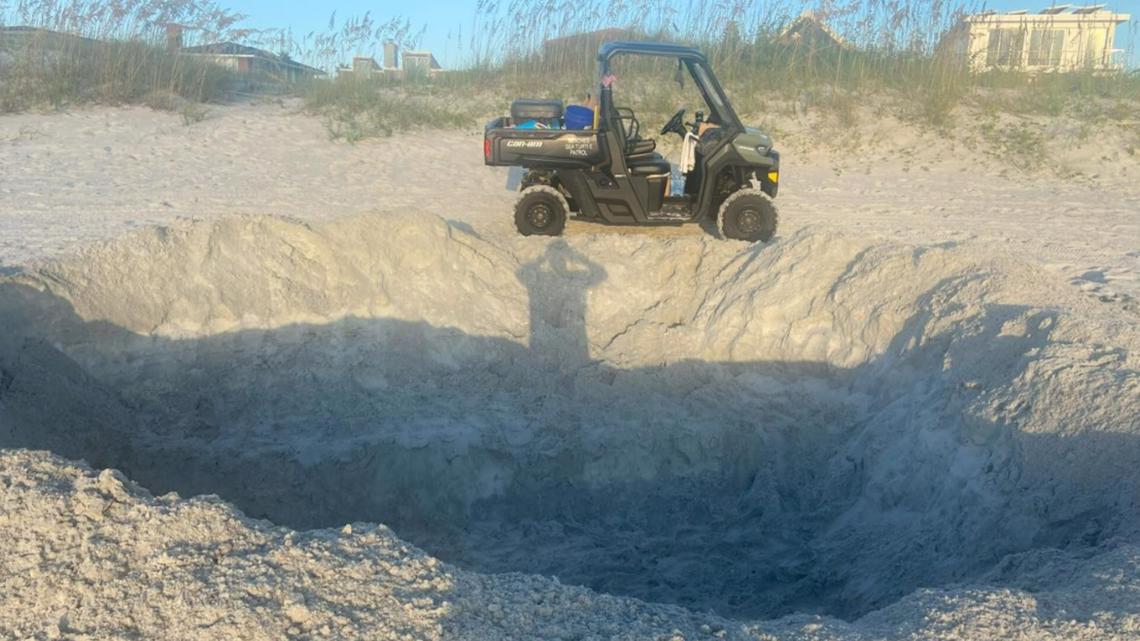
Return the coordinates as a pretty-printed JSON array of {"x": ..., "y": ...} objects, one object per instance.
[
  {"x": 541, "y": 211},
  {"x": 750, "y": 215}
]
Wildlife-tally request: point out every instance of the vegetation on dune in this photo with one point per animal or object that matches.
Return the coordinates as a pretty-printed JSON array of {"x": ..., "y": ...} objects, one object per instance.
[
  {"x": 892, "y": 47},
  {"x": 108, "y": 51},
  {"x": 77, "y": 72},
  {"x": 891, "y": 58},
  {"x": 353, "y": 111}
]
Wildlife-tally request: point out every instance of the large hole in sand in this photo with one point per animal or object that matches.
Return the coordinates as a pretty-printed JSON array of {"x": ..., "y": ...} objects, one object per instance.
[{"x": 756, "y": 480}]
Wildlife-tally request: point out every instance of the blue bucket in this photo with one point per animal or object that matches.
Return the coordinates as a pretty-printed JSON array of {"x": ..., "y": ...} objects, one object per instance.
[{"x": 579, "y": 117}]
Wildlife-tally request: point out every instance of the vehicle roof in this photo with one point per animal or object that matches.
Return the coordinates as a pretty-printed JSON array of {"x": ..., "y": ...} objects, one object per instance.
[{"x": 611, "y": 49}]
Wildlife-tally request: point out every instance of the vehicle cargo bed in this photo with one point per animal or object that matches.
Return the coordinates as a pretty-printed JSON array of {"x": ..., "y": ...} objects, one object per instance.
[{"x": 506, "y": 146}]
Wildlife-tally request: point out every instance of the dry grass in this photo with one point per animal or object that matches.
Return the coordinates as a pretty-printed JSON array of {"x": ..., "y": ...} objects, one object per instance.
[
  {"x": 893, "y": 59},
  {"x": 356, "y": 110},
  {"x": 892, "y": 62},
  {"x": 103, "y": 72},
  {"x": 106, "y": 51}
]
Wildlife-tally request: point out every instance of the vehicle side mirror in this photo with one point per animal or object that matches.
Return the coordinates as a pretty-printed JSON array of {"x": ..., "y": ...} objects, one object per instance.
[{"x": 679, "y": 76}]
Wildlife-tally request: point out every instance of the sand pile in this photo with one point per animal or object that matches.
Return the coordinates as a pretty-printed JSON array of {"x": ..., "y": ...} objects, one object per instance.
[{"x": 824, "y": 426}]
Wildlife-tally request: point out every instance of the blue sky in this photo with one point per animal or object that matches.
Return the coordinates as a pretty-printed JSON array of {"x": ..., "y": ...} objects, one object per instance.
[{"x": 441, "y": 19}]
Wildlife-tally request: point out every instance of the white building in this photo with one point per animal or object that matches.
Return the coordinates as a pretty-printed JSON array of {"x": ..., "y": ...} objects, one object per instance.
[
  {"x": 421, "y": 62},
  {"x": 1060, "y": 38}
]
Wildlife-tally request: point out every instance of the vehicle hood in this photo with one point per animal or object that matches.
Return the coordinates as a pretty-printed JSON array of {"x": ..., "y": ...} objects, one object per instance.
[{"x": 758, "y": 135}]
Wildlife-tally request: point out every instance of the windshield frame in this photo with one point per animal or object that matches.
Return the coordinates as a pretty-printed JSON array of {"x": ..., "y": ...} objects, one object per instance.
[{"x": 716, "y": 101}]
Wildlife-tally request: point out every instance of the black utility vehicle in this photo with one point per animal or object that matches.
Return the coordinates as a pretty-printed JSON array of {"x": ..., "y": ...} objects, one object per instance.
[{"x": 609, "y": 173}]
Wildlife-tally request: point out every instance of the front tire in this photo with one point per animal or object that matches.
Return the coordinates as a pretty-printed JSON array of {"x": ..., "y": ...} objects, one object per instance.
[
  {"x": 749, "y": 214},
  {"x": 541, "y": 211}
]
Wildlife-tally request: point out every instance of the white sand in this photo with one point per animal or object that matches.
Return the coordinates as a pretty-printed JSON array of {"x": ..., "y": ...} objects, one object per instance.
[
  {"x": 924, "y": 427},
  {"x": 92, "y": 174}
]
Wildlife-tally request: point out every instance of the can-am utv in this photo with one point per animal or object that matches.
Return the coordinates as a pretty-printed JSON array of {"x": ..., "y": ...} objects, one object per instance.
[{"x": 609, "y": 173}]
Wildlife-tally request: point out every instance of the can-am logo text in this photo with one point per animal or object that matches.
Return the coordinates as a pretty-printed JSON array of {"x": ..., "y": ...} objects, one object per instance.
[{"x": 524, "y": 143}]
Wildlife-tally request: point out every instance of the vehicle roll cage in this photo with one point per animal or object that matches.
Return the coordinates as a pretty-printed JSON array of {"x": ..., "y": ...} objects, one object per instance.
[{"x": 696, "y": 63}]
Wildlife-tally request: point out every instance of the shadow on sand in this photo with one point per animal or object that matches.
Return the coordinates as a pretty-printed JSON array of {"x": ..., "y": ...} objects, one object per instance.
[{"x": 754, "y": 489}]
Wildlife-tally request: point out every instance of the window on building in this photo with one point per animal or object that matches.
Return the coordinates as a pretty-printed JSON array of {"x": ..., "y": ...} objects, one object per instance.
[
  {"x": 1005, "y": 48},
  {"x": 1096, "y": 49},
  {"x": 1045, "y": 47}
]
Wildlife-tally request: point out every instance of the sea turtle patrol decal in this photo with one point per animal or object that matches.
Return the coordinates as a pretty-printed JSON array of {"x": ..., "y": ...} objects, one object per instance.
[{"x": 580, "y": 147}]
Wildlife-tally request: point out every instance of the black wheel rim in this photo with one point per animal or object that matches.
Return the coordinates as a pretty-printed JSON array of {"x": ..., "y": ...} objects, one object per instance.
[
  {"x": 540, "y": 215},
  {"x": 749, "y": 221}
]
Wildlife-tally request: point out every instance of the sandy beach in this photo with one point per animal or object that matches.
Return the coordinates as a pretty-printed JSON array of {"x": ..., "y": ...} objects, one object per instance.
[
  {"x": 257, "y": 384},
  {"x": 96, "y": 173}
]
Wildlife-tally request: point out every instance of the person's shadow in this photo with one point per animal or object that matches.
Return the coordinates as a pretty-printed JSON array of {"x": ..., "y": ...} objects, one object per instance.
[{"x": 557, "y": 283}]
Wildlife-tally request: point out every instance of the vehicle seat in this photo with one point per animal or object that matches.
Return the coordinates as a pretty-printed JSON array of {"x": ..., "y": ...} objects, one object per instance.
[
  {"x": 640, "y": 155},
  {"x": 640, "y": 147},
  {"x": 648, "y": 164}
]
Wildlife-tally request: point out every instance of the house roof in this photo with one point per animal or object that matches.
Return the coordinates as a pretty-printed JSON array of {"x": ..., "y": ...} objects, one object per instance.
[
  {"x": 366, "y": 62},
  {"x": 1055, "y": 14},
  {"x": 233, "y": 49},
  {"x": 808, "y": 22},
  {"x": 27, "y": 33}
]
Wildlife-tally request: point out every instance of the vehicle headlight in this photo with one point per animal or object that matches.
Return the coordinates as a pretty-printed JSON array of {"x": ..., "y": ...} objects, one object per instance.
[{"x": 763, "y": 149}]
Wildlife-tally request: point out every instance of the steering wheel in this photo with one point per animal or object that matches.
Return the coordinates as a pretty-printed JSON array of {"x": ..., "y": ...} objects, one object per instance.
[{"x": 676, "y": 124}]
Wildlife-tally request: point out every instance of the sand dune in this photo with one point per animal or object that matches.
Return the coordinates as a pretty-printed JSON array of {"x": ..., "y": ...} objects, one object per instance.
[{"x": 95, "y": 174}]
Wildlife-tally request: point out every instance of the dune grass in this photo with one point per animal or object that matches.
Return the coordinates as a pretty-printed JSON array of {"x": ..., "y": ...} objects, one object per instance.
[
  {"x": 354, "y": 110},
  {"x": 891, "y": 57},
  {"x": 78, "y": 72},
  {"x": 70, "y": 52}
]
